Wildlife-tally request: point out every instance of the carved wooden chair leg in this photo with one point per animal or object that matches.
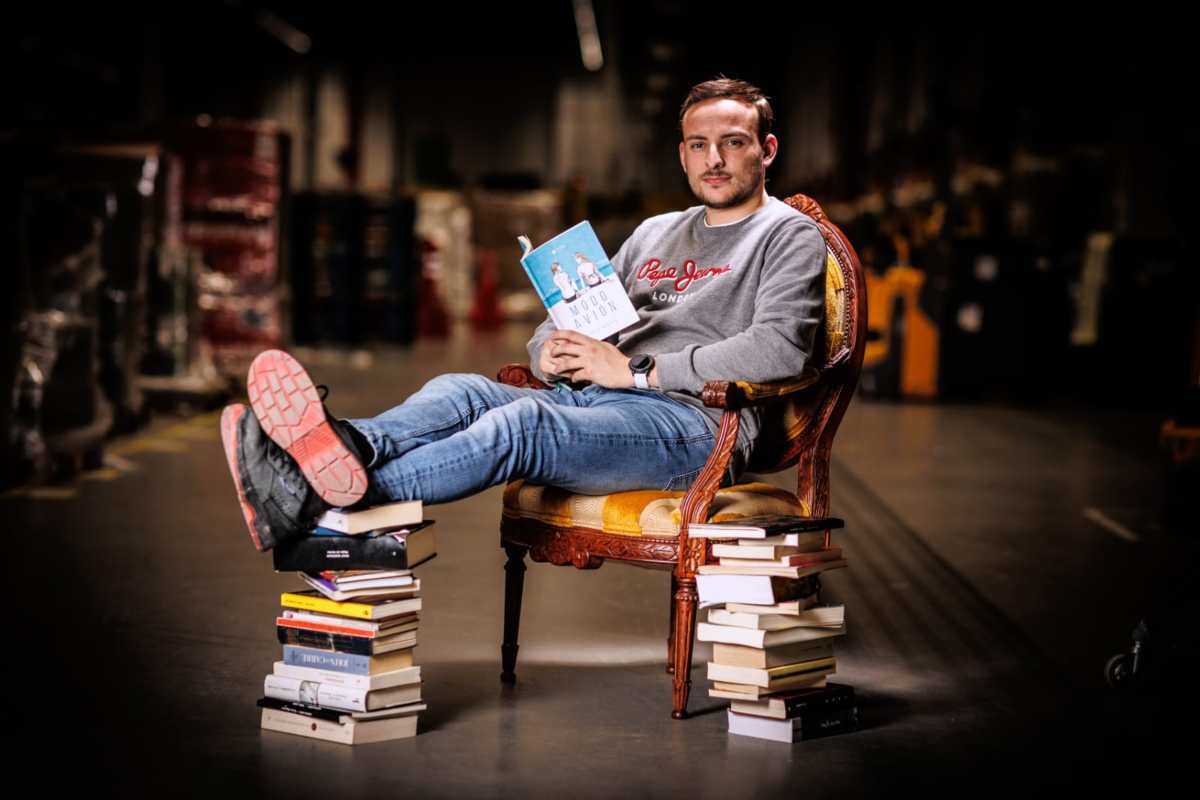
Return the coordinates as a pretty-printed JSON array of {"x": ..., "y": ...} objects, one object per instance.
[
  {"x": 514, "y": 585},
  {"x": 685, "y": 641},
  {"x": 671, "y": 629}
]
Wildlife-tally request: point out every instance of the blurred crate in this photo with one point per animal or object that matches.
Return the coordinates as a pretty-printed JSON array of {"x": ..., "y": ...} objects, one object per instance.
[{"x": 230, "y": 213}]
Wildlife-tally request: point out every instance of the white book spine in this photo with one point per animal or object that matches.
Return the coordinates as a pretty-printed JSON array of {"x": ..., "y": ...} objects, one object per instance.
[
  {"x": 753, "y": 676},
  {"x": 273, "y": 720},
  {"x": 343, "y": 679},
  {"x": 830, "y": 617},
  {"x": 734, "y": 589},
  {"x": 747, "y": 675},
  {"x": 365, "y": 683},
  {"x": 777, "y": 730},
  {"x": 380, "y": 583},
  {"x": 334, "y": 521},
  {"x": 295, "y": 690},
  {"x": 762, "y": 622},
  {"x": 707, "y": 632},
  {"x": 807, "y": 541}
]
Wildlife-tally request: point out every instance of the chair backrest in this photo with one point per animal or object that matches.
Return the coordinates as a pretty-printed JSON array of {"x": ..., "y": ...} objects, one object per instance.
[{"x": 799, "y": 428}]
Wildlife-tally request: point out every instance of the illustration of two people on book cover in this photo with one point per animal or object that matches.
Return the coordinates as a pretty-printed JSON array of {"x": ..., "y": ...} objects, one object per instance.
[
  {"x": 587, "y": 273},
  {"x": 577, "y": 283}
]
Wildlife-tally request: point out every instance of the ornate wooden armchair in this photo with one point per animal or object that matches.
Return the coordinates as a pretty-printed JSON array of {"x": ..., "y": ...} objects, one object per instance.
[{"x": 649, "y": 528}]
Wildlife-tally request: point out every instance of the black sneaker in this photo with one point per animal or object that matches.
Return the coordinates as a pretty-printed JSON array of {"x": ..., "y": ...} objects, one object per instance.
[
  {"x": 292, "y": 412},
  {"x": 276, "y": 500}
]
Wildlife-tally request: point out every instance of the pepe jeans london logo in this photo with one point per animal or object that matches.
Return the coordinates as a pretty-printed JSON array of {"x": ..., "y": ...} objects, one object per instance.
[{"x": 679, "y": 278}]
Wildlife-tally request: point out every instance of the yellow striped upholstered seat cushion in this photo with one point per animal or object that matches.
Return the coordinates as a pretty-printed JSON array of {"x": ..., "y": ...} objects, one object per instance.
[{"x": 641, "y": 513}]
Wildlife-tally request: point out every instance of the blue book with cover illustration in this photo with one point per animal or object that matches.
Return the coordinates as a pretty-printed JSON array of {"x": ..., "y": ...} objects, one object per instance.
[{"x": 577, "y": 283}]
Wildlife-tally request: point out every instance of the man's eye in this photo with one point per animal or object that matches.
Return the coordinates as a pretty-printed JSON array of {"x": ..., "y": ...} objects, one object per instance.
[
  {"x": 697, "y": 145},
  {"x": 733, "y": 142}
]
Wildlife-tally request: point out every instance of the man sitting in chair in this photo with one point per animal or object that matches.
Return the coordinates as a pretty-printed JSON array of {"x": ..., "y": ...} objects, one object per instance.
[{"x": 728, "y": 290}]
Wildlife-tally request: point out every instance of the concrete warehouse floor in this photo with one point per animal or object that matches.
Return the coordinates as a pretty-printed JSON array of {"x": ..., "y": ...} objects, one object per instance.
[{"x": 998, "y": 558}]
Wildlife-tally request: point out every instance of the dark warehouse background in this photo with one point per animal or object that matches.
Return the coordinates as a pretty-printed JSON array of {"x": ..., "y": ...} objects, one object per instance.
[{"x": 183, "y": 186}]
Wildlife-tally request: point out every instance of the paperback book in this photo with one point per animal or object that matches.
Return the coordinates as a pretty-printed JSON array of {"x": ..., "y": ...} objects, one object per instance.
[
  {"x": 347, "y": 663},
  {"x": 819, "y": 617},
  {"x": 327, "y": 589},
  {"x": 344, "y": 698},
  {"x": 750, "y": 692},
  {"x": 366, "y": 683},
  {"x": 736, "y": 655},
  {"x": 760, "y": 527},
  {"x": 771, "y": 677},
  {"x": 367, "y": 608},
  {"x": 799, "y": 728},
  {"x": 340, "y": 726},
  {"x": 779, "y": 571},
  {"x": 577, "y": 283},
  {"x": 755, "y": 589},
  {"x": 389, "y": 549},
  {"x": 787, "y": 705},
  {"x": 390, "y": 515},
  {"x": 341, "y": 643},
  {"x": 347, "y": 627},
  {"x": 750, "y": 637}
]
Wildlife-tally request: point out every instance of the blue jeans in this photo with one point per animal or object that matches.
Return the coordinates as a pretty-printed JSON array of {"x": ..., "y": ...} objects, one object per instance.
[{"x": 461, "y": 434}]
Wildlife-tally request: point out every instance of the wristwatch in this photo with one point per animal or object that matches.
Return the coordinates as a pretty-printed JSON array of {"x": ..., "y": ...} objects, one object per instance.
[{"x": 640, "y": 365}]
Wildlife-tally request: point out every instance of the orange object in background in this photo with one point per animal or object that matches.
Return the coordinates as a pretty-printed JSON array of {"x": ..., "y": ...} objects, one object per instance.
[
  {"x": 919, "y": 353},
  {"x": 900, "y": 333}
]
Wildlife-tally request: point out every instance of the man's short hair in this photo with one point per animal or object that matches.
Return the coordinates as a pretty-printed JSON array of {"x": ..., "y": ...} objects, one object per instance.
[{"x": 735, "y": 90}]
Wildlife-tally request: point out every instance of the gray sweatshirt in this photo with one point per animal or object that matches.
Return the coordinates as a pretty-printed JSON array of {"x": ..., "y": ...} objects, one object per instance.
[{"x": 732, "y": 302}]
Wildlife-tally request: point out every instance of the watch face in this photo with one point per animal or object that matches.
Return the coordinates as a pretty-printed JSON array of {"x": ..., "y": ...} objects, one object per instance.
[{"x": 641, "y": 363}]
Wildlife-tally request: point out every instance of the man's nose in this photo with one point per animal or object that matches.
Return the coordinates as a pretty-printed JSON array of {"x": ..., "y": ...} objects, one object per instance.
[{"x": 713, "y": 157}]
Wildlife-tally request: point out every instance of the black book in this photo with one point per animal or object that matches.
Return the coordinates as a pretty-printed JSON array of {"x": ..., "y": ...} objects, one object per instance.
[
  {"x": 834, "y": 695},
  {"x": 829, "y": 723},
  {"x": 303, "y": 709},
  {"x": 343, "y": 643},
  {"x": 802, "y": 703},
  {"x": 402, "y": 548}
]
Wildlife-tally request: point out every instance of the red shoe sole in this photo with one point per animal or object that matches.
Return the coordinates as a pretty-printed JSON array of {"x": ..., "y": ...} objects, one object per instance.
[
  {"x": 230, "y": 417},
  {"x": 289, "y": 409}
]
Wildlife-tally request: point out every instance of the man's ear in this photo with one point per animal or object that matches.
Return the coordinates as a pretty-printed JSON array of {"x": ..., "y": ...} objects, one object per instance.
[
  {"x": 770, "y": 149},
  {"x": 682, "y": 158}
]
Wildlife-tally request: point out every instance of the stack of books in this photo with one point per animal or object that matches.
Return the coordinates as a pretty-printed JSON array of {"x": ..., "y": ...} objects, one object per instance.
[
  {"x": 347, "y": 673},
  {"x": 772, "y": 643}
]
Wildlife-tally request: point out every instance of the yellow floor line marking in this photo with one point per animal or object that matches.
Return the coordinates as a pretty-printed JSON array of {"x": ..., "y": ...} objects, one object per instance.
[
  {"x": 102, "y": 474},
  {"x": 176, "y": 438},
  {"x": 1109, "y": 524},
  {"x": 49, "y": 492},
  {"x": 114, "y": 461},
  {"x": 153, "y": 445},
  {"x": 195, "y": 435}
]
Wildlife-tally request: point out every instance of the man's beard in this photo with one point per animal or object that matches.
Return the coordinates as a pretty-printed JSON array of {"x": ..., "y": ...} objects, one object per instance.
[{"x": 750, "y": 189}]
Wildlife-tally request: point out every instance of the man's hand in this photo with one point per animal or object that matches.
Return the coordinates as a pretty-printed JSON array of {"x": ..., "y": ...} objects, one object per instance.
[
  {"x": 549, "y": 363},
  {"x": 582, "y": 358}
]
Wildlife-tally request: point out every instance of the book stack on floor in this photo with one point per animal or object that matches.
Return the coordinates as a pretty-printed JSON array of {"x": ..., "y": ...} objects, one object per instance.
[
  {"x": 347, "y": 673},
  {"x": 772, "y": 643}
]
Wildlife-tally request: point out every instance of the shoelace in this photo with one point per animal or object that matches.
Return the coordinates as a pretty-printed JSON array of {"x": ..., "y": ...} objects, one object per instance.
[{"x": 353, "y": 440}]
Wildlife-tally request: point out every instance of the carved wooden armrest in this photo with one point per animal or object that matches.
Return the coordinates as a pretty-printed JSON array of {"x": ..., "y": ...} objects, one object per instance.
[
  {"x": 739, "y": 394},
  {"x": 521, "y": 376},
  {"x": 694, "y": 508}
]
